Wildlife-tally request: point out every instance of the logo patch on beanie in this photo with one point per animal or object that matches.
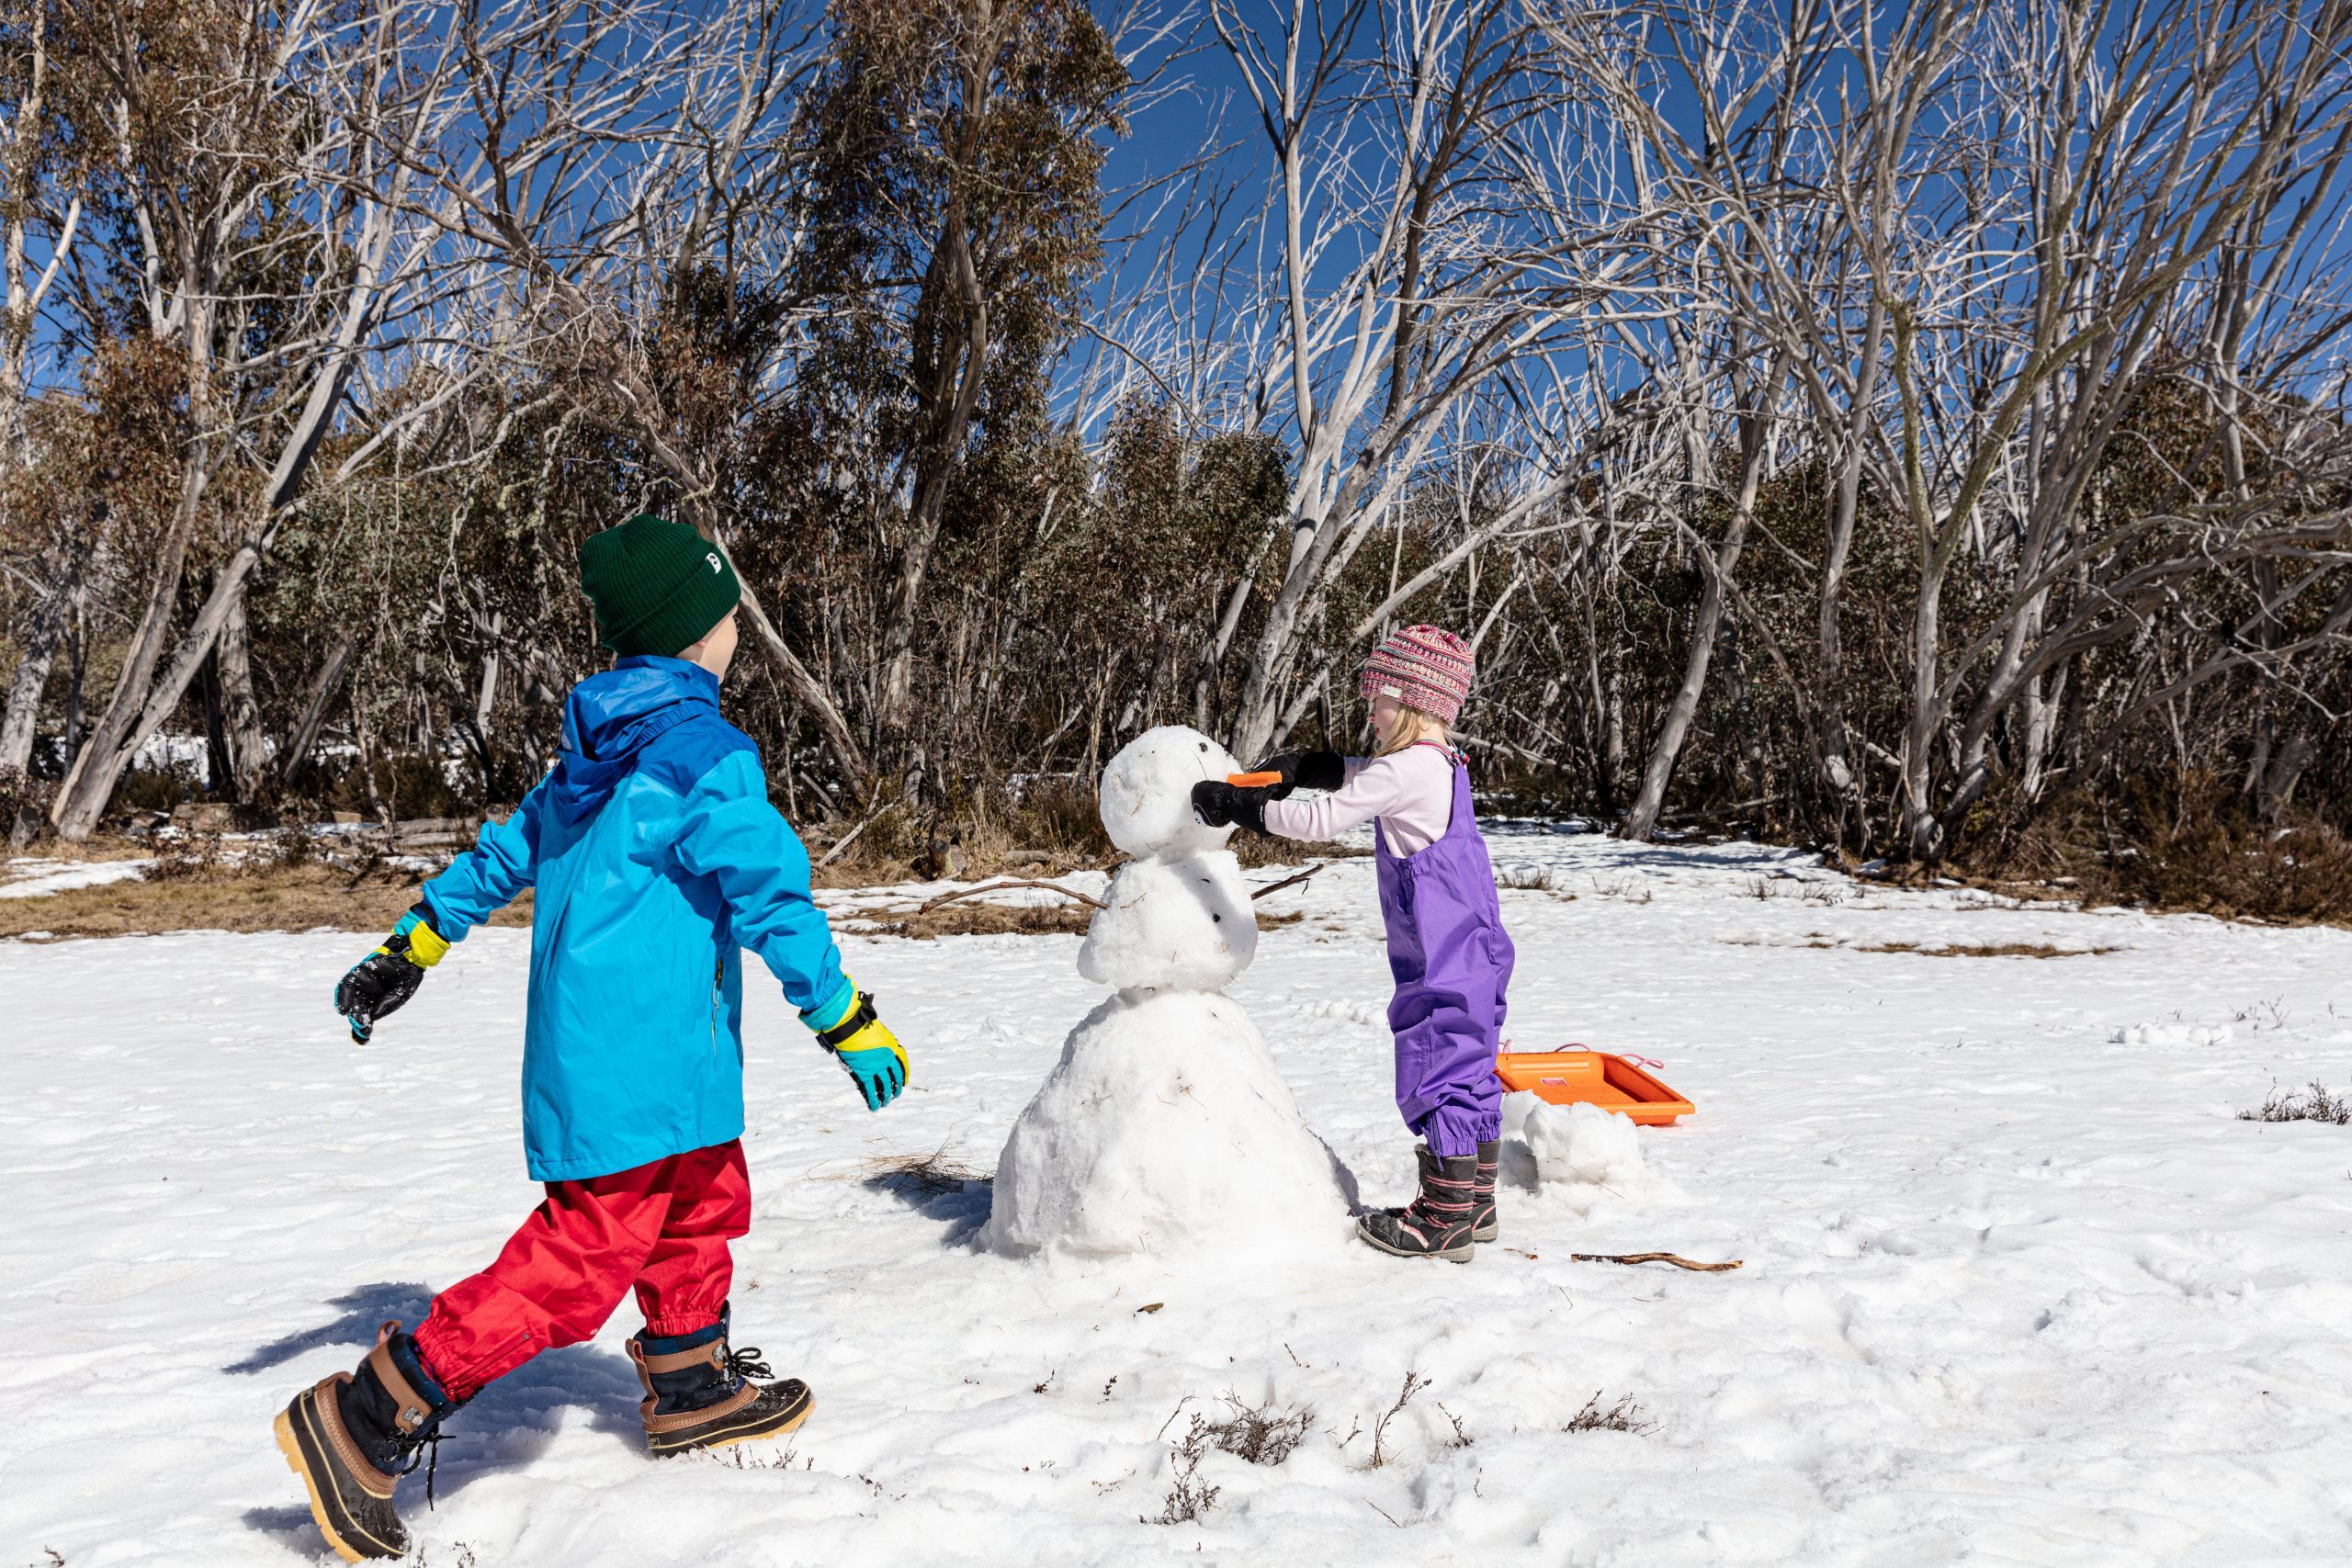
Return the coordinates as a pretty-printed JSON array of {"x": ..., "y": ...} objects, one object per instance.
[{"x": 712, "y": 558}]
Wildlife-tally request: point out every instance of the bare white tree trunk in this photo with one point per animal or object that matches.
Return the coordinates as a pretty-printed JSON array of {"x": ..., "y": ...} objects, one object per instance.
[{"x": 43, "y": 633}]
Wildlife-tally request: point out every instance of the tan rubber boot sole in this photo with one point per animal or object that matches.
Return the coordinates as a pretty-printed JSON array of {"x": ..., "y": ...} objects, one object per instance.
[
  {"x": 287, "y": 1445},
  {"x": 727, "y": 1437}
]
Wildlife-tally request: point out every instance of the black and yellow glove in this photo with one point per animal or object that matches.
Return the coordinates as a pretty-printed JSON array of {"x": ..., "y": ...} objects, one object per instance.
[
  {"x": 381, "y": 983},
  {"x": 875, "y": 1061}
]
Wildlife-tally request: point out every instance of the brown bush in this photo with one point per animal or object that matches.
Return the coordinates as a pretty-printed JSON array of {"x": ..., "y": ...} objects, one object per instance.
[{"x": 2199, "y": 847}]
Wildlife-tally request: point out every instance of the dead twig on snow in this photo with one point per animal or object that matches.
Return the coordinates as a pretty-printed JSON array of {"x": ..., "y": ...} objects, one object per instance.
[
  {"x": 1680, "y": 1262},
  {"x": 1287, "y": 881},
  {"x": 1012, "y": 882}
]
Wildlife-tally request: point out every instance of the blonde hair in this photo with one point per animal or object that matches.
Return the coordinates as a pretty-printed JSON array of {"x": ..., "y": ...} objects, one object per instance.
[{"x": 1413, "y": 726}]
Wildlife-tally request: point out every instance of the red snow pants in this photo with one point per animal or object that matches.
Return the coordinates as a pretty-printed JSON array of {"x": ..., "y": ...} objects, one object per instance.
[{"x": 663, "y": 1227}]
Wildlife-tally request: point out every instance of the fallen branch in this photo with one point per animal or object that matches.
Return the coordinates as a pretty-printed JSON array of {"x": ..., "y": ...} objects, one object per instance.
[
  {"x": 1732, "y": 810},
  {"x": 1287, "y": 881},
  {"x": 1654, "y": 1257},
  {"x": 1011, "y": 882}
]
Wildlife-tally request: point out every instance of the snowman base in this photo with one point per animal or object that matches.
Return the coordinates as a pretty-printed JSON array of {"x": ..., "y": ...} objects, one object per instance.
[{"x": 1165, "y": 1129}]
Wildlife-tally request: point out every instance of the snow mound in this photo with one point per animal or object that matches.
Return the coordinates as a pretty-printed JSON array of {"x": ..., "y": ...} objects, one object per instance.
[
  {"x": 1147, "y": 797},
  {"x": 1164, "y": 1129},
  {"x": 1583, "y": 1144},
  {"x": 1183, "y": 925},
  {"x": 1341, "y": 1010},
  {"x": 2171, "y": 1034}
]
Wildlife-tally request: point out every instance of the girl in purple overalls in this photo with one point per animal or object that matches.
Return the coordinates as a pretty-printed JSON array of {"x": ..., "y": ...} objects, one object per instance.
[{"x": 1446, "y": 945}]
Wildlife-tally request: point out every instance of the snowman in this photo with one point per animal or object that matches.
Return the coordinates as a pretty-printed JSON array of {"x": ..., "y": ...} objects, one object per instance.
[{"x": 1164, "y": 1128}]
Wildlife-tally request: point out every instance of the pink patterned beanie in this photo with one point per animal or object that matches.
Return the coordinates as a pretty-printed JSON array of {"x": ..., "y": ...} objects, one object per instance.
[{"x": 1423, "y": 667}]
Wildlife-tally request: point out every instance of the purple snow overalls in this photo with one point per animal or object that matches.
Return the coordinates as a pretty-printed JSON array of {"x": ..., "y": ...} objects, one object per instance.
[{"x": 1452, "y": 961}]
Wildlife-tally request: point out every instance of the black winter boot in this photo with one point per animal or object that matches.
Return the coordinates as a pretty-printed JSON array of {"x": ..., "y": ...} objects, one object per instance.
[
  {"x": 353, "y": 1436},
  {"x": 1437, "y": 1223},
  {"x": 698, "y": 1393},
  {"x": 1485, "y": 1225}
]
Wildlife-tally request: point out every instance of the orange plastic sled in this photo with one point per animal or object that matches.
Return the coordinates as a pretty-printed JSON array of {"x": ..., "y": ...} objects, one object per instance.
[{"x": 1596, "y": 1077}]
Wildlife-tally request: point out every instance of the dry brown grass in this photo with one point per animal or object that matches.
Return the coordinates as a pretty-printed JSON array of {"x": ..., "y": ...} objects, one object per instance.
[
  {"x": 1949, "y": 949},
  {"x": 1981, "y": 950},
  {"x": 1625, "y": 1415},
  {"x": 298, "y": 882},
  {"x": 2317, "y": 1103},
  {"x": 270, "y": 897},
  {"x": 880, "y": 867},
  {"x": 97, "y": 847},
  {"x": 930, "y": 1174},
  {"x": 1052, "y": 829},
  {"x": 2192, "y": 846},
  {"x": 974, "y": 919}
]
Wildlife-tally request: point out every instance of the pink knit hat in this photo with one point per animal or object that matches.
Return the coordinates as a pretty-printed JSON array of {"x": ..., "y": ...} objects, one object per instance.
[{"x": 1423, "y": 667}]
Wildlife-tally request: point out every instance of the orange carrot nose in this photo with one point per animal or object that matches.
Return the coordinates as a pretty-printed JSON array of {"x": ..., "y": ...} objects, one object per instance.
[{"x": 1251, "y": 781}]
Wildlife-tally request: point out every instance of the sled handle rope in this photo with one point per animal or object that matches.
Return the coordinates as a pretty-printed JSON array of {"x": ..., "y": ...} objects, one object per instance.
[{"x": 1680, "y": 1262}]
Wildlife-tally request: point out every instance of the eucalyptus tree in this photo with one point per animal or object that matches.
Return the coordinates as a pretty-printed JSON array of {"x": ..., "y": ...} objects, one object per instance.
[
  {"x": 1429, "y": 238},
  {"x": 262, "y": 234}
]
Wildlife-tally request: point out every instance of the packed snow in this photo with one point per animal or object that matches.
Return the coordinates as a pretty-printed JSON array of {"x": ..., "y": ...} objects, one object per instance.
[
  {"x": 1183, "y": 924},
  {"x": 1166, "y": 1130},
  {"x": 1580, "y": 1143},
  {"x": 2017, "y": 1286}
]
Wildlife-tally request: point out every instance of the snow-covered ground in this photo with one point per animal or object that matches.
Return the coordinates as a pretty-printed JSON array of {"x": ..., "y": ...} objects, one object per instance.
[
  {"x": 2018, "y": 1286},
  {"x": 30, "y": 876}
]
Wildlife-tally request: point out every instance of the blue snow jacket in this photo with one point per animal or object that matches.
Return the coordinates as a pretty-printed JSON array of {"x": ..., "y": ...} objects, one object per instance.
[{"x": 656, "y": 859}]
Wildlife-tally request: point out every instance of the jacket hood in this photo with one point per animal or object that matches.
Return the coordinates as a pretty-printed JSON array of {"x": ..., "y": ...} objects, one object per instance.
[{"x": 611, "y": 717}]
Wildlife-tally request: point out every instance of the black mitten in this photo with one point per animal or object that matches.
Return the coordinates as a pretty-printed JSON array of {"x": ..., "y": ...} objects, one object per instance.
[
  {"x": 1305, "y": 770},
  {"x": 1221, "y": 805}
]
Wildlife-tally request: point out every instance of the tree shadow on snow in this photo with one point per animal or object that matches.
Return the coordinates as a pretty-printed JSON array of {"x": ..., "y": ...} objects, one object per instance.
[
  {"x": 1733, "y": 855},
  {"x": 940, "y": 1190},
  {"x": 514, "y": 1421},
  {"x": 958, "y": 1198},
  {"x": 509, "y": 1423},
  {"x": 365, "y": 1309}
]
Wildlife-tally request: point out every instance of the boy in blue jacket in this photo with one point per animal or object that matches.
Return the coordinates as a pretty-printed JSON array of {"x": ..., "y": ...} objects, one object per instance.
[{"x": 654, "y": 859}]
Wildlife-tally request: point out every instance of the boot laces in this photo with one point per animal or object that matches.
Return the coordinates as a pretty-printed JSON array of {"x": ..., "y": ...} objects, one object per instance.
[
  {"x": 422, "y": 1449},
  {"x": 746, "y": 1364}
]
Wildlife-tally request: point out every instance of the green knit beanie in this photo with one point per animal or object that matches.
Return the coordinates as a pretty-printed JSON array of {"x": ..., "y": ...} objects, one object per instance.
[{"x": 657, "y": 586}]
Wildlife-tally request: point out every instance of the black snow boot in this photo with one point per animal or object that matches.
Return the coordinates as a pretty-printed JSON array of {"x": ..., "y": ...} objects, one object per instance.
[
  {"x": 1437, "y": 1223},
  {"x": 353, "y": 1436},
  {"x": 1485, "y": 1225},
  {"x": 699, "y": 1394}
]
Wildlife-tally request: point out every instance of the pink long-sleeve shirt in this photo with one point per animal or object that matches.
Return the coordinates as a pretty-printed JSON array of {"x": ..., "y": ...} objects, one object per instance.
[{"x": 1410, "y": 790}]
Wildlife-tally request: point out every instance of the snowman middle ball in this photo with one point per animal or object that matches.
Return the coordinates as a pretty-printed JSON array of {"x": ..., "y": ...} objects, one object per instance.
[{"x": 1179, "y": 925}]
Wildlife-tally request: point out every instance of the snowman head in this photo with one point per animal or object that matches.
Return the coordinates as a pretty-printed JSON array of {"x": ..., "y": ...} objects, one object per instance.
[{"x": 1148, "y": 793}]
